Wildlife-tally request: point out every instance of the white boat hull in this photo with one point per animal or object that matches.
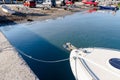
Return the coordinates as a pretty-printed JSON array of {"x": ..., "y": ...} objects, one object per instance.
[
  {"x": 93, "y": 64},
  {"x": 6, "y": 9}
]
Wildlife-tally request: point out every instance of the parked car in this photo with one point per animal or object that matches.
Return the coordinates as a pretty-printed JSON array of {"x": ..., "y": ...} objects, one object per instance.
[{"x": 30, "y": 3}]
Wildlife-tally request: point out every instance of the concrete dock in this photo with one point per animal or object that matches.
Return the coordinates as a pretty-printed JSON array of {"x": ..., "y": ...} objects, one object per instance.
[{"x": 12, "y": 65}]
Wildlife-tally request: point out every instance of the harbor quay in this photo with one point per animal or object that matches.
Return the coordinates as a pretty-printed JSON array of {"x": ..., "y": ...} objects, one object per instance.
[{"x": 12, "y": 65}]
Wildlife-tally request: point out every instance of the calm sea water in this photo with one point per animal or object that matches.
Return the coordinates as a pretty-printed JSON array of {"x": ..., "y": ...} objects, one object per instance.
[{"x": 44, "y": 40}]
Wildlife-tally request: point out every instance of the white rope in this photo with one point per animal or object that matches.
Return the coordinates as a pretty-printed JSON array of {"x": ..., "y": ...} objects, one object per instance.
[
  {"x": 6, "y": 46},
  {"x": 39, "y": 60}
]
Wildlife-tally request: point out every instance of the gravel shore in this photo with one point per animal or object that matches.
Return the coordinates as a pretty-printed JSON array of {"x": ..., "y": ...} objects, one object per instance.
[
  {"x": 25, "y": 14},
  {"x": 12, "y": 65}
]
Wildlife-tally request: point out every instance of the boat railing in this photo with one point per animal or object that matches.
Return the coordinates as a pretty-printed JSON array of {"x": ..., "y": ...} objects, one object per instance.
[{"x": 88, "y": 69}]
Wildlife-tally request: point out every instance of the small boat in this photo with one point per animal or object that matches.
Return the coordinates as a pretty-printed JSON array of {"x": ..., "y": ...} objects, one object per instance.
[
  {"x": 30, "y": 3},
  {"x": 90, "y": 2},
  {"x": 69, "y": 2},
  {"x": 108, "y": 8},
  {"x": 7, "y": 9},
  {"x": 94, "y": 63}
]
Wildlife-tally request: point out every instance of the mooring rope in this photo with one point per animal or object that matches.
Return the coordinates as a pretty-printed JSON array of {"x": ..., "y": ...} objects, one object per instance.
[
  {"x": 40, "y": 60},
  {"x": 4, "y": 46}
]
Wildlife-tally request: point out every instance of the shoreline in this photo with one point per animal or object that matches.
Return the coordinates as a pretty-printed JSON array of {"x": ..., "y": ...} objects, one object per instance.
[
  {"x": 25, "y": 14},
  {"x": 34, "y": 16}
]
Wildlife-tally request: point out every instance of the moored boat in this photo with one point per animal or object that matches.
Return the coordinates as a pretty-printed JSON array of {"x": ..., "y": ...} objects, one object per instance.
[
  {"x": 95, "y": 63},
  {"x": 108, "y": 8},
  {"x": 7, "y": 9}
]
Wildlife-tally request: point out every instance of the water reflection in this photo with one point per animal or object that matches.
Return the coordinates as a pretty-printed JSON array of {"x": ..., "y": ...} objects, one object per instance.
[
  {"x": 96, "y": 10},
  {"x": 92, "y": 10},
  {"x": 112, "y": 12}
]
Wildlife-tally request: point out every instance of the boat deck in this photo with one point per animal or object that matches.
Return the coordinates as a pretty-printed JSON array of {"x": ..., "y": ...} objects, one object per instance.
[{"x": 93, "y": 63}]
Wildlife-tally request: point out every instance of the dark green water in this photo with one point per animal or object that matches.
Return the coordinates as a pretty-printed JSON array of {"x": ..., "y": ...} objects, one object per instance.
[{"x": 44, "y": 40}]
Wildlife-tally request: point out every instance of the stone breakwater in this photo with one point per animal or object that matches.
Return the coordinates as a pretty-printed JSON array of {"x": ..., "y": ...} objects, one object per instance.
[{"x": 12, "y": 65}]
